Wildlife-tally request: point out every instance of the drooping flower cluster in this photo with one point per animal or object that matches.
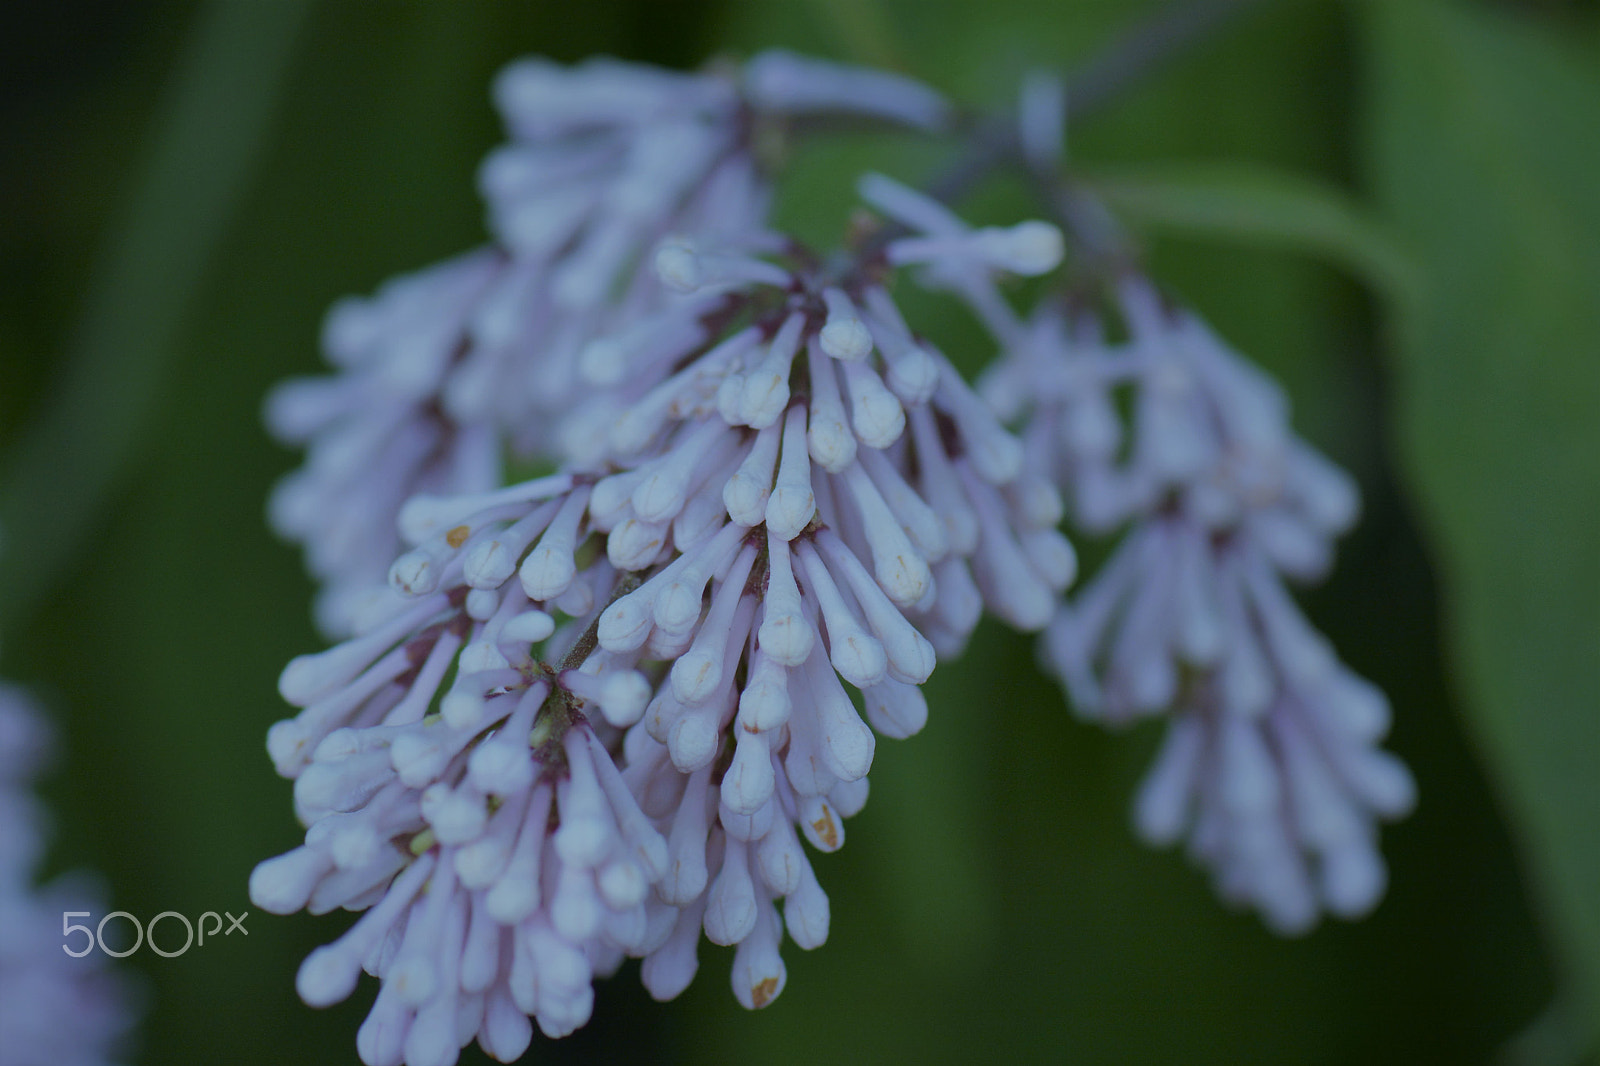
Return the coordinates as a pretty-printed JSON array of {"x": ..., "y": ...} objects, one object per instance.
[
  {"x": 444, "y": 371},
  {"x": 607, "y": 705},
  {"x": 1270, "y": 767},
  {"x": 54, "y": 1009},
  {"x": 592, "y": 715}
]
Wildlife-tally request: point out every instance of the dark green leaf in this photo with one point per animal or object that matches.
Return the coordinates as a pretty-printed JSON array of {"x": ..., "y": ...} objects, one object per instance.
[
  {"x": 1251, "y": 204},
  {"x": 1485, "y": 153},
  {"x": 216, "y": 116}
]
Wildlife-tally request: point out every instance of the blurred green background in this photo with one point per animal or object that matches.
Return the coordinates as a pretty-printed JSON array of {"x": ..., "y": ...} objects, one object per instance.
[{"x": 1394, "y": 206}]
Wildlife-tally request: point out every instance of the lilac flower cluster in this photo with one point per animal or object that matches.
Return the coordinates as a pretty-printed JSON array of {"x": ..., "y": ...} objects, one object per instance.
[
  {"x": 54, "y": 1009},
  {"x": 1270, "y": 768},
  {"x": 596, "y": 713}
]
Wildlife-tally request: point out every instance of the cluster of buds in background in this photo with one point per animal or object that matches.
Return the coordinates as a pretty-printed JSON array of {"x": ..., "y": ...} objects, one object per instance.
[{"x": 55, "y": 1006}]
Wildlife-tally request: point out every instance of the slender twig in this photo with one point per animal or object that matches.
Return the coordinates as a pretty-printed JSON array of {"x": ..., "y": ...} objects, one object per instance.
[
  {"x": 1140, "y": 51},
  {"x": 1146, "y": 47},
  {"x": 590, "y": 639},
  {"x": 1133, "y": 56}
]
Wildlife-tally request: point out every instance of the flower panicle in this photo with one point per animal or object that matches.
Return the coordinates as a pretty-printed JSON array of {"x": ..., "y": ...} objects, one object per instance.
[
  {"x": 596, "y": 713},
  {"x": 1271, "y": 768}
]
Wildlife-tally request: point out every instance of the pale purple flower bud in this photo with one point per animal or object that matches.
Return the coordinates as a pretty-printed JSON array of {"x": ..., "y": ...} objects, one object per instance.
[
  {"x": 749, "y": 781},
  {"x": 785, "y": 636},
  {"x": 1028, "y": 249},
  {"x": 746, "y": 494},
  {"x": 855, "y": 653},
  {"x": 686, "y": 875},
  {"x": 792, "y": 502},
  {"x": 832, "y": 442},
  {"x": 550, "y": 568},
  {"x": 920, "y": 521},
  {"x": 765, "y": 704},
  {"x": 908, "y": 655},
  {"x": 664, "y": 486},
  {"x": 731, "y": 904},
  {"x": 669, "y": 969},
  {"x": 699, "y": 672},
  {"x": 875, "y": 413},
  {"x": 748, "y": 827},
  {"x": 804, "y": 766},
  {"x": 783, "y": 82},
  {"x": 820, "y": 823},
  {"x": 684, "y": 268},
  {"x": 758, "y": 970},
  {"x": 896, "y": 709},
  {"x": 781, "y": 860},
  {"x": 900, "y": 569},
  {"x": 846, "y": 743},
  {"x": 843, "y": 336},
  {"x": 806, "y": 912},
  {"x": 515, "y": 893},
  {"x": 766, "y": 386}
]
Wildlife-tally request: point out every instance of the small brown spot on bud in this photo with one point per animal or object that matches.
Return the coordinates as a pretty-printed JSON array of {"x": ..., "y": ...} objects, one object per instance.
[
  {"x": 827, "y": 832},
  {"x": 458, "y": 536},
  {"x": 762, "y": 994}
]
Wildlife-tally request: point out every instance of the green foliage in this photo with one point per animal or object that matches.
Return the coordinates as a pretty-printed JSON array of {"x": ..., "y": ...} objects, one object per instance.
[
  {"x": 1248, "y": 204},
  {"x": 1484, "y": 150},
  {"x": 210, "y": 136}
]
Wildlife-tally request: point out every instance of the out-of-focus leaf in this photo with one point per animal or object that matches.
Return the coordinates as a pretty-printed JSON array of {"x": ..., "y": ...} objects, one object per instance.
[
  {"x": 1250, "y": 204},
  {"x": 862, "y": 28},
  {"x": 218, "y": 110},
  {"x": 1484, "y": 151}
]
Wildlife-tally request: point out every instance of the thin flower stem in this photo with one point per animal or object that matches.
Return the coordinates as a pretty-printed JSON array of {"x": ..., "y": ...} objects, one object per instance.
[
  {"x": 1138, "y": 53},
  {"x": 590, "y": 639},
  {"x": 1144, "y": 49}
]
